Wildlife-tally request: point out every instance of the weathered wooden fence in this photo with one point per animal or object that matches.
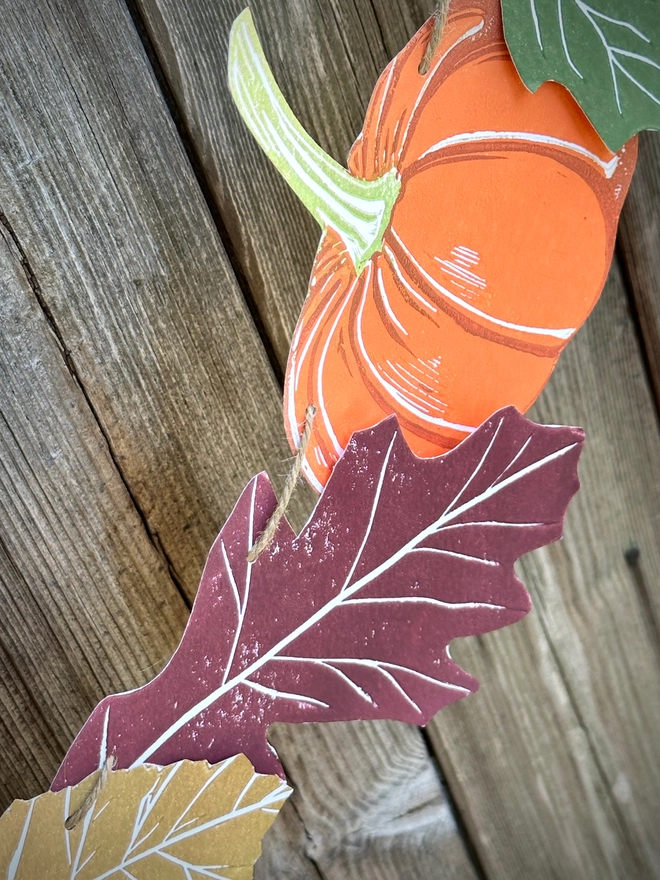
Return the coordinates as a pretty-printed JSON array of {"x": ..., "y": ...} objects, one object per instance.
[{"x": 152, "y": 266}]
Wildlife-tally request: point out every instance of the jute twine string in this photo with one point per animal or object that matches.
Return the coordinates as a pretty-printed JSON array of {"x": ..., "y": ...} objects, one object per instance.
[
  {"x": 441, "y": 11},
  {"x": 78, "y": 815},
  {"x": 268, "y": 533}
]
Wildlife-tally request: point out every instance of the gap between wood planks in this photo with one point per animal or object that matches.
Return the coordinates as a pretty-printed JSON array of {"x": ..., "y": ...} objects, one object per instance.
[
  {"x": 196, "y": 165},
  {"x": 35, "y": 287},
  {"x": 629, "y": 288},
  {"x": 464, "y": 833}
]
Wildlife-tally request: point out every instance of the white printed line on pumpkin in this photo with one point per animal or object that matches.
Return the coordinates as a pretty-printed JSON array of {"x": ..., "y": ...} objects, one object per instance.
[
  {"x": 394, "y": 265},
  {"x": 430, "y": 364},
  {"x": 386, "y": 90},
  {"x": 295, "y": 371},
  {"x": 400, "y": 373},
  {"x": 386, "y": 302},
  {"x": 312, "y": 336},
  {"x": 457, "y": 270},
  {"x": 403, "y": 374},
  {"x": 311, "y": 477},
  {"x": 529, "y": 137},
  {"x": 324, "y": 353},
  {"x": 432, "y": 529},
  {"x": 416, "y": 400},
  {"x": 430, "y": 77},
  {"x": 558, "y": 333},
  {"x": 424, "y": 377},
  {"x": 393, "y": 391},
  {"x": 425, "y": 400}
]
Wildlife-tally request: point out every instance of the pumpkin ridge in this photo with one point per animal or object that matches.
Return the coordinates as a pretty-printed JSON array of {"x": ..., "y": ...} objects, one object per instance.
[
  {"x": 470, "y": 325},
  {"x": 445, "y": 67},
  {"x": 370, "y": 380}
]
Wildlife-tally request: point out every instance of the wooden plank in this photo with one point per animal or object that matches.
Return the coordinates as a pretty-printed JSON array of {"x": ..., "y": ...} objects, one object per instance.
[
  {"x": 326, "y": 57},
  {"x": 30, "y": 751},
  {"x": 371, "y": 804},
  {"x": 639, "y": 245},
  {"x": 567, "y": 781},
  {"x": 88, "y": 604},
  {"x": 283, "y": 850},
  {"x": 98, "y": 191}
]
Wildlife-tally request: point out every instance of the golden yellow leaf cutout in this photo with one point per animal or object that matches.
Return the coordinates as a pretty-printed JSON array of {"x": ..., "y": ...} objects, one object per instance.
[{"x": 187, "y": 821}]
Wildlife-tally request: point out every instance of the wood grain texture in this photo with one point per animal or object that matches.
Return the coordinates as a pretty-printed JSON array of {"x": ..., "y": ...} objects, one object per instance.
[
  {"x": 326, "y": 57},
  {"x": 88, "y": 604},
  {"x": 371, "y": 803},
  {"x": 97, "y": 188},
  {"x": 639, "y": 246},
  {"x": 567, "y": 782},
  {"x": 30, "y": 751}
]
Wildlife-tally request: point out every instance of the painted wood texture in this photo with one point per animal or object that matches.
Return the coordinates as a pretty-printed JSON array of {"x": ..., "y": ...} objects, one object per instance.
[{"x": 137, "y": 398}]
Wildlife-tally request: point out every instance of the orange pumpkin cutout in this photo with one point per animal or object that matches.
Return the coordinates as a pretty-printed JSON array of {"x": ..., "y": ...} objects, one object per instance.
[{"x": 498, "y": 218}]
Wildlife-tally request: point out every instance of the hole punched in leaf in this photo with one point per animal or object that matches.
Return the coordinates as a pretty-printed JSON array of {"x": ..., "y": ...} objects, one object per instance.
[{"x": 268, "y": 533}]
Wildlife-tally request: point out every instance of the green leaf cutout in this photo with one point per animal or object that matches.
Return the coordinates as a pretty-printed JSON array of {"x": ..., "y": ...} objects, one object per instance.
[{"x": 606, "y": 52}]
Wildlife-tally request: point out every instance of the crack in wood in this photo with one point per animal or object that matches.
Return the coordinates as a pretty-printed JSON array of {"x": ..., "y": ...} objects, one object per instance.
[
  {"x": 197, "y": 166},
  {"x": 470, "y": 844},
  {"x": 37, "y": 291}
]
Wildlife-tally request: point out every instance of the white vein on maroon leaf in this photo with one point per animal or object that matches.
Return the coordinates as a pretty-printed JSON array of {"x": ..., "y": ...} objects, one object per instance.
[{"x": 351, "y": 619}]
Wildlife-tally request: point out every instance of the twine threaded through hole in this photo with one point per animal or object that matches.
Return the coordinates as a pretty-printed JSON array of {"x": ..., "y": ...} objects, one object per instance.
[
  {"x": 441, "y": 12},
  {"x": 268, "y": 533},
  {"x": 90, "y": 799}
]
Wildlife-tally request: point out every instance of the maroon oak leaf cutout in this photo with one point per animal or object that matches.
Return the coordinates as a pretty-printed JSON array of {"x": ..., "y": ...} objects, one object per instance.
[{"x": 351, "y": 619}]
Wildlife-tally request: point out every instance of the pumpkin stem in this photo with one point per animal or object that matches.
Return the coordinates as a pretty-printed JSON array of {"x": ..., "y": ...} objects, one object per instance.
[{"x": 358, "y": 210}]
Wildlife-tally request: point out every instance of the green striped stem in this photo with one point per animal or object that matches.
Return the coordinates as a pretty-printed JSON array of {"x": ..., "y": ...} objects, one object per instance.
[{"x": 358, "y": 210}]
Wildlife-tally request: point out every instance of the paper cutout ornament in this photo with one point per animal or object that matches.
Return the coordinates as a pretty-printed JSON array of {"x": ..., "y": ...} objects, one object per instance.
[
  {"x": 606, "y": 52},
  {"x": 351, "y": 619},
  {"x": 152, "y": 823},
  {"x": 467, "y": 242}
]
